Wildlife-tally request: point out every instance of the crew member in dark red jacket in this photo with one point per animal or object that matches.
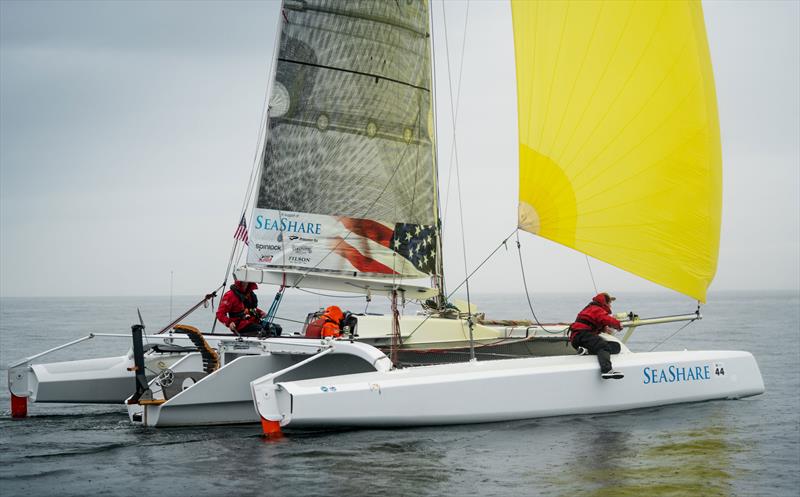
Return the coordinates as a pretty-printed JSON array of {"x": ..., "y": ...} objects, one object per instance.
[
  {"x": 585, "y": 333},
  {"x": 239, "y": 310}
]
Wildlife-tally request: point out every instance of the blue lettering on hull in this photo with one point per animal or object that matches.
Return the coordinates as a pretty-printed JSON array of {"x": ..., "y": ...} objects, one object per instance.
[{"x": 675, "y": 374}]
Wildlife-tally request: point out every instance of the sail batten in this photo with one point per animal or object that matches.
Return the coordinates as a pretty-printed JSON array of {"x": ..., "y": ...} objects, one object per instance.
[{"x": 619, "y": 135}]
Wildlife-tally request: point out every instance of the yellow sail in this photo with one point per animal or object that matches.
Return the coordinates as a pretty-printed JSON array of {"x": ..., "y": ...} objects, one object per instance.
[{"x": 619, "y": 144}]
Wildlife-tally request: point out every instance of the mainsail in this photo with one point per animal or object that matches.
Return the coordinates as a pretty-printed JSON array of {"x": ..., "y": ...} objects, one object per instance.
[
  {"x": 619, "y": 137},
  {"x": 348, "y": 181}
]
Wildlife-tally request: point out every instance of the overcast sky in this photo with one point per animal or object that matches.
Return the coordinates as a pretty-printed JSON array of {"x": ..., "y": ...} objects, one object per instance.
[{"x": 128, "y": 130}]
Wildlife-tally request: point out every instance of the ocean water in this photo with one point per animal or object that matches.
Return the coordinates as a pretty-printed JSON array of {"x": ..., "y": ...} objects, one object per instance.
[{"x": 719, "y": 448}]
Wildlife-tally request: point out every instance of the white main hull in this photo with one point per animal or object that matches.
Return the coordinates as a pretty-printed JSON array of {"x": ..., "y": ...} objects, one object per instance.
[{"x": 506, "y": 390}]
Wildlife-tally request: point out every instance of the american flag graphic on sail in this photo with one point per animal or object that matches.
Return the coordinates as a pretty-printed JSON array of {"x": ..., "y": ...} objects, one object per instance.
[{"x": 365, "y": 247}]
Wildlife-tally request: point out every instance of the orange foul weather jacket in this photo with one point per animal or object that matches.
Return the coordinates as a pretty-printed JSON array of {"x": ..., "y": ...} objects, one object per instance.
[{"x": 327, "y": 325}]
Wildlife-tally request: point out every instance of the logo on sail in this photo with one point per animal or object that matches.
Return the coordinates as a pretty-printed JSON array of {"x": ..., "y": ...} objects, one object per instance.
[{"x": 287, "y": 225}]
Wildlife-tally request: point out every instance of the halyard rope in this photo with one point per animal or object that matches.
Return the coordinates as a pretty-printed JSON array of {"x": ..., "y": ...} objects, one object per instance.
[{"x": 527, "y": 295}]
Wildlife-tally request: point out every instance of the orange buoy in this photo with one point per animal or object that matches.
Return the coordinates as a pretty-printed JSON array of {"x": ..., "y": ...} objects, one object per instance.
[
  {"x": 271, "y": 429},
  {"x": 19, "y": 407}
]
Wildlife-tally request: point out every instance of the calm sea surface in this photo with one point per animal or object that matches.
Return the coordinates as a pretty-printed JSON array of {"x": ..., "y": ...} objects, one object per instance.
[{"x": 719, "y": 448}]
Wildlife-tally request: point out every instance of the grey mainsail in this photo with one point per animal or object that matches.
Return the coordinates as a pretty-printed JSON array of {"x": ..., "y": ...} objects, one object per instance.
[{"x": 348, "y": 181}]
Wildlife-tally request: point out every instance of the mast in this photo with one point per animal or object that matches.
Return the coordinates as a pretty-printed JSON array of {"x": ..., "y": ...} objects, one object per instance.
[{"x": 438, "y": 276}]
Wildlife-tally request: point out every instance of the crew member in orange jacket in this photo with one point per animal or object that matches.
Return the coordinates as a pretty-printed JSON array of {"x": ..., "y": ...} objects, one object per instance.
[
  {"x": 585, "y": 333},
  {"x": 328, "y": 324},
  {"x": 239, "y": 310},
  {"x": 332, "y": 322}
]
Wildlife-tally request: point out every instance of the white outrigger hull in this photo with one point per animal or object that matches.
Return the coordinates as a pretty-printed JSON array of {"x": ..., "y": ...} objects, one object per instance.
[
  {"x": 223, "y": 396},
  {"x": 106, "y": 380},
  {"x": 90, "y": 381},
  {"x": 505, "y": 390}
]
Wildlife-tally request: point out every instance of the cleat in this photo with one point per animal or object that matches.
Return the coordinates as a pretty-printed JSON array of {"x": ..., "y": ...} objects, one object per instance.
[{"x": 582, "y": 351}]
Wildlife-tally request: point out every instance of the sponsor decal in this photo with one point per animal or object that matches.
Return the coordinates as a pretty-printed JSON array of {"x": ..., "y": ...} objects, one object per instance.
[
  {"x": 299, "y": 260},
  {"x": 266, "y": 258},
  {"x": 301, "y": 250},
  {"x": 303, "y": 239},
  {"x": 287, "y": 225},
  {"x": 296, "y": 237},
  {"x": 266, "y": 246},
  {"x": 677, "y": 374}
]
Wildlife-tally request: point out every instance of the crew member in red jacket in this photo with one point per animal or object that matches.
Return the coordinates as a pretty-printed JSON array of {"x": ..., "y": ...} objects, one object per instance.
[
  {"x": 585, "y": 333},
  {"x": 239, "y": 310}
]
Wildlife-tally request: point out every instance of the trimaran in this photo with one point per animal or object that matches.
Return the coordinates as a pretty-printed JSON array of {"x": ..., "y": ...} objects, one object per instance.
[{"x": 612, "y": 96}]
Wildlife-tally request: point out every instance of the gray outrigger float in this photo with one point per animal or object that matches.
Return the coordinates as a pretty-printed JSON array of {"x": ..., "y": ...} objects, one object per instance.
[{"x": 106, "y": 380}]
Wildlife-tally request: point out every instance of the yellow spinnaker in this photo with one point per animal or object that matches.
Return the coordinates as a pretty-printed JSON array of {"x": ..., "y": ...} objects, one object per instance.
[{"x": 619, "y": 142}]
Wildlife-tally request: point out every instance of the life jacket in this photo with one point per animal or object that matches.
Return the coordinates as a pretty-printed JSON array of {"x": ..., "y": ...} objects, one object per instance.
[
  {"x": 248, "y": 299},
  {"x": 326, "y": 324},
  {"x": 594, "y": 317},
  {"x": 587, "y": 321},
  {"x": 239, "y": 306}
]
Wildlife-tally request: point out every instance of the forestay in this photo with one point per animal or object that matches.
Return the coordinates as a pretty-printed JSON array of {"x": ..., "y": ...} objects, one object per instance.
[
  {"x": 348, "y": 180},
  {"x": 619, "y": 137}
]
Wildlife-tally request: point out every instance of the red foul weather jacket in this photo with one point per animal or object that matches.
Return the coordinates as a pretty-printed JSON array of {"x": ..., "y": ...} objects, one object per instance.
[
  {"x": 239, "y": 305},
  {"x": 594, "y": 318}
]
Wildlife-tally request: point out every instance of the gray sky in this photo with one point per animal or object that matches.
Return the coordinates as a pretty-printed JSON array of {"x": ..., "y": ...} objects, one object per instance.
[{"x": 128, "y": 130}]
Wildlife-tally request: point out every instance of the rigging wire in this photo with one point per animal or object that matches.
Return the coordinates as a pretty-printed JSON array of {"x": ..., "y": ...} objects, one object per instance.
[
  {"x": 679, "y": 329},
  {"x": 458, "y": 96},
  {"x": 454, "y": 158},
  {"x": 591, "y": 274},
  {"x": 258, "y": 157},
  {"x": 261, "y": 146},
  {"x": 331, "y": 295},
  {"x": 290, "y": 320},
  {"x": 502, "y": 244}
]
